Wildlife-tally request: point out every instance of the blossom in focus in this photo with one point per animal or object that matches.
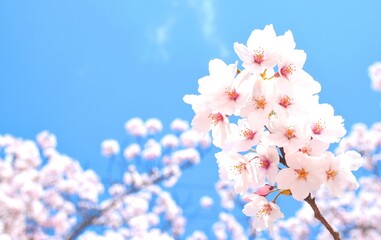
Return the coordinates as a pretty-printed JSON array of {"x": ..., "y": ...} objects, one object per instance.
[
  {"x": 265, "y": 213},
  {"x": 338, "y": 174},
  {"x": 268, "y": 113},
  {"x": 303, "y": 176},
  {"x": 260, "y": 52},
  {"x": 238, "y": 168}
]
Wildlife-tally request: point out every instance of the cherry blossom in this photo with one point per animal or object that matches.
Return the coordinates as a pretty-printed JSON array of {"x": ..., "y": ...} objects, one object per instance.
[
  {"x": 302, "y": 176},
  {"x": 264, "y": 212},
  {"x": 238, "y": 168},
  {"x": 260, "y": 52},
  {"x": 273, "y": 131},
  {"x": 355, "y": 213}
]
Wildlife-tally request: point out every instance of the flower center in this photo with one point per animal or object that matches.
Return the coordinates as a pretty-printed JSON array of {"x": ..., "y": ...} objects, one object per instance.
[
  {"x": 238, "y": 169},
  {"x": 216, "y": 118},
  {"x": 306, "y": 149},
  {"x": 232, "y": 93},
  {"x": 287, "y": 70},
  {"x": 264, "y": 163},
  {"x": 260, "y": 102},
  {"x": 248, "y": 134},
  {"x": 318, "y": 127},
  {"x": 290, "y": 132},
  {"x": 302, "y": 174},
  {"x": 285, "y": 101},
  {"x": 265, "y": 210},
  {"x": 258, "y": 56},
  {"x": 331, "y": 174}
]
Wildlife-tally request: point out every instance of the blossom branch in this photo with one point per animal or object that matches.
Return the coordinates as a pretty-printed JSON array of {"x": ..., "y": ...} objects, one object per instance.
[
  {"x": 320, "y": 217},
  {"x": 93, "y": 217}
]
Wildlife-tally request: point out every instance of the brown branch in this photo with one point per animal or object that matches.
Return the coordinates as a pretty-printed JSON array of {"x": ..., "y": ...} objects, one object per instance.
[
  {"x": 93, "y": 217},
  {"x": 283, "y": 157},
  {"x": 320, "y": 217}
]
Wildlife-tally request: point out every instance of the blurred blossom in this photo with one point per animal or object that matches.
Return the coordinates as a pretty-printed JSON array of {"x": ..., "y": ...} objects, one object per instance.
[
  {"x": 46, "y": 140},
  {"x": 179, "y": 125},
  {"x": 135, "y": 127},
  {"x": 190, "y": 138},
  {"x": 151, "y": 150},
  {"x": 169, "y": 141},
  {"x": 109, "y": 147},
  {"x": 188, "y": 154},
  {"x": 197, "y": 235},
  {"x": 132, "y": 151},
  {"x": 206, "y": 202},
  {"x": 375, "y": 75},
  {"x": 153, "y": 126}
]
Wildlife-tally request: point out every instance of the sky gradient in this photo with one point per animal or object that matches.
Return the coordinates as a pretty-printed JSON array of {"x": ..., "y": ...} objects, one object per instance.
[{"x": 80, "y": 69}]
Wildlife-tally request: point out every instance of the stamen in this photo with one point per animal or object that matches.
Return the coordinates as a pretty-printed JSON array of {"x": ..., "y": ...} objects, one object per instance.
[
  {"x": 264, "y": 163},
  {"x": 285, "y": 101},
  {"x": 287, "y": 70},
  {"x": 248, "y": 134},
  {"x": 216, "y": 118},
  {"x": 290, "y": 132},
  {"x": 331, "y": 174},
  {"x": 302, "y": 174},
  {"x": 306, "y": 149},
  {"x": 258, "y": 56},
  {"x": 318, "y": 127},
  {"x": 232, "y": 93},
  {"x": 264, "y": 211},
  {"x": 260, "y": 102},
  {"x": 238, "y": 169}
]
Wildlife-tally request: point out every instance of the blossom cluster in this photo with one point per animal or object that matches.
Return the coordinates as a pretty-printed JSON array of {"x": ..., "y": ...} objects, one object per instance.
[
  {"x": 45, "y": 194},
  {"x": 41, "y": 195},
  {"x": 355, "y": 214},
  {"x": 273, "y": 132}
]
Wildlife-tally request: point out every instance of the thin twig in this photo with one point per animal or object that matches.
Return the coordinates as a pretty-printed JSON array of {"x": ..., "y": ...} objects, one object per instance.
[
  {"x": 93, "y": 217},
  {"x": 320, "y": 217}
]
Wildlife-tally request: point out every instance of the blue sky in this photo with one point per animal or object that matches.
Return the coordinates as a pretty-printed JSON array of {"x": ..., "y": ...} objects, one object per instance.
[{"x": 80, "y": 69}]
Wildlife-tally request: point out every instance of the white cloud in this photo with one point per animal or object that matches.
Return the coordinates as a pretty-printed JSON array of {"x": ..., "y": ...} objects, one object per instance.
[
  {"x": 159, "y": 36},
  {"x": 207, "y": 17}
]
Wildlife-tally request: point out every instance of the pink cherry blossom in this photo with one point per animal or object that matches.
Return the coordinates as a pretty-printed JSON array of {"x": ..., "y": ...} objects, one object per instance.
[
  {"x": 338, "y": 176},
  {"x": 238, "y": 168},
  {"x": 243, "y": 137},
  {"x": 260, "y": 52},
  {"x": 267, "y": 163},
  {"x": 325, "y": 126},
  {"x": 290, "y": 133},
  {"x": 303, "y": 176},
  {"x": 264, "y": 212}
]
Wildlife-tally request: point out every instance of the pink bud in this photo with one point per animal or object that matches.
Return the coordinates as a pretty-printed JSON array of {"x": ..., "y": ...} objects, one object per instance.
[{"x": 264, "y": 190}]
